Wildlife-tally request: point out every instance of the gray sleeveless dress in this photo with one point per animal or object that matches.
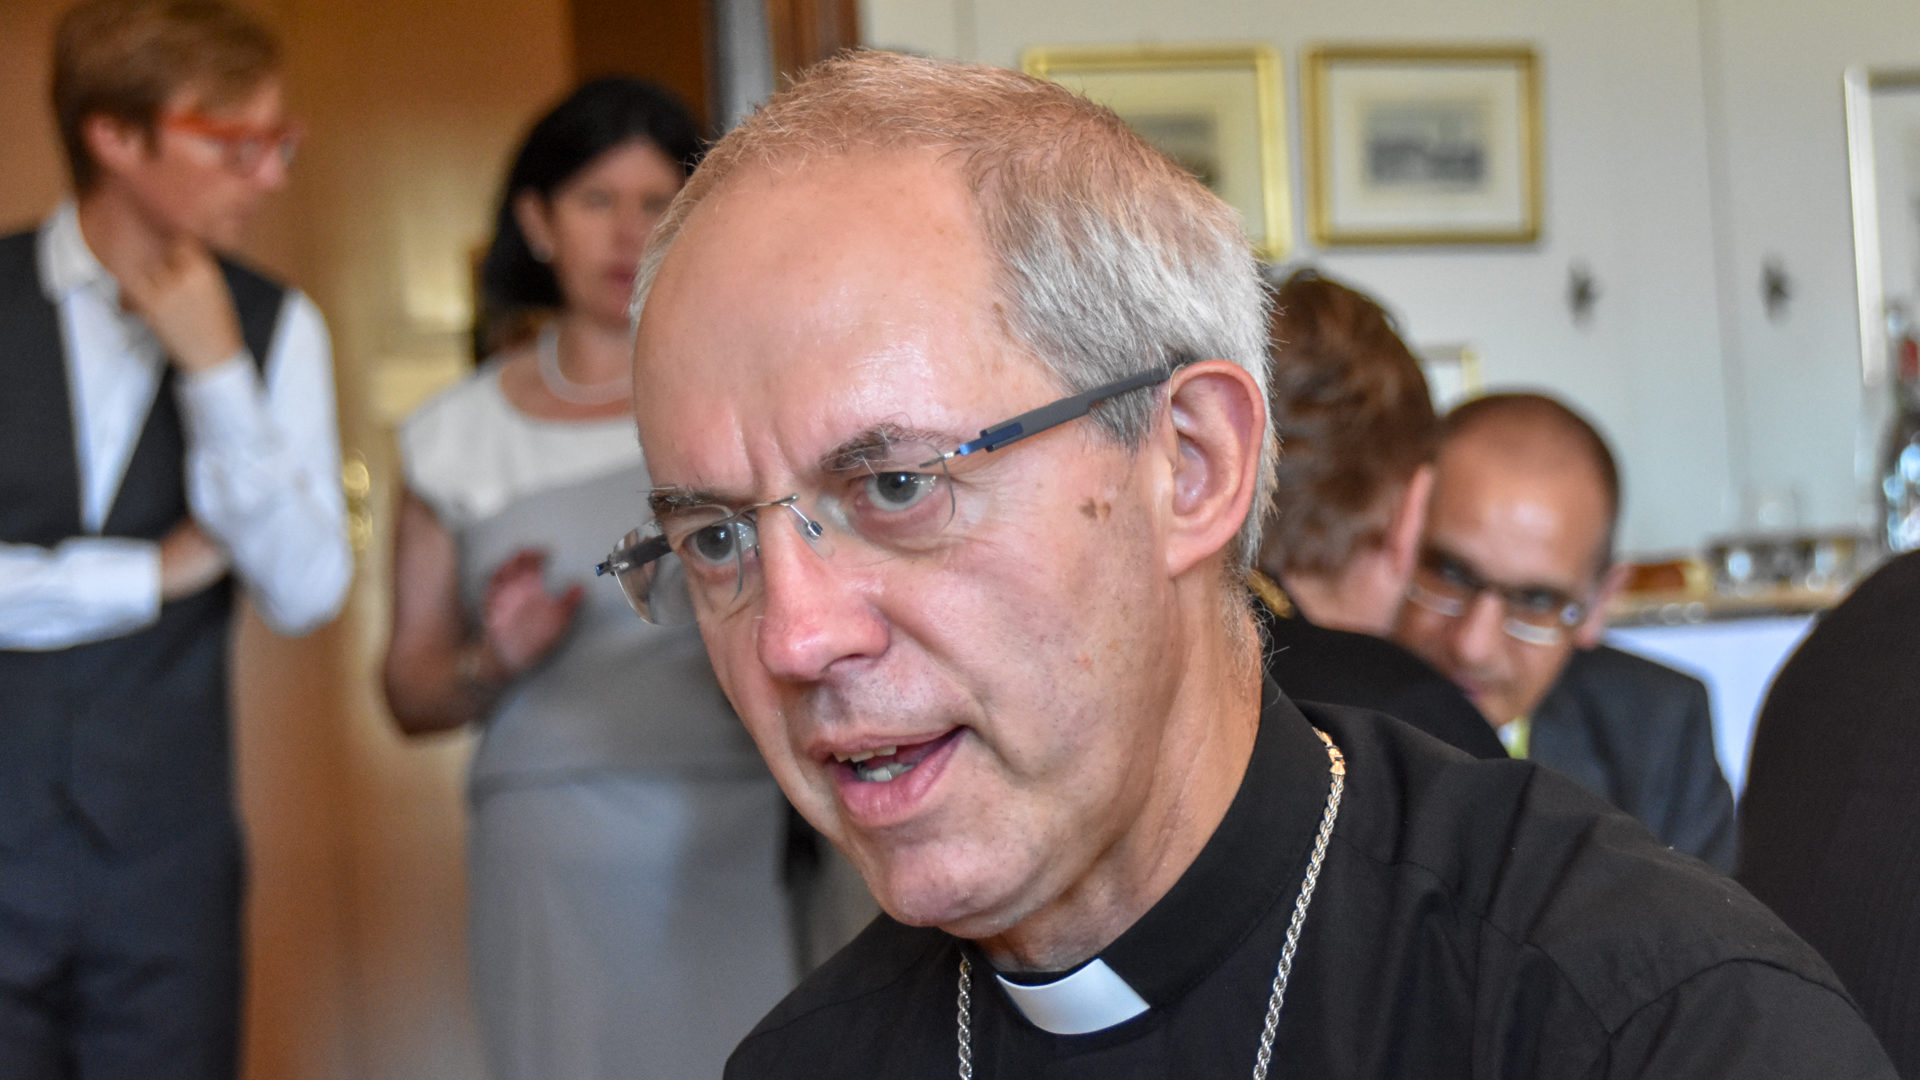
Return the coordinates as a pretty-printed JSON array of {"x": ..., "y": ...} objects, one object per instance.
[{"x": 626, "y": 913}]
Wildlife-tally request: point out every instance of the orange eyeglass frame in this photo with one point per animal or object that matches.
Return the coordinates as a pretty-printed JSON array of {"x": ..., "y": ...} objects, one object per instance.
[{"x": 242, "y": 146}]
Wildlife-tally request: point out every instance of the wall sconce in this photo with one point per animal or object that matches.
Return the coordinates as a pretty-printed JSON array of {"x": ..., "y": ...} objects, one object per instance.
[
  {"x": 1776, "y": 288},
  {"x": 1583, "y": 292}
]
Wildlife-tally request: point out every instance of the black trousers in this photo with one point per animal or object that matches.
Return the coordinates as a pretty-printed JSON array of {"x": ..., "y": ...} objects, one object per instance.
[{"x": 121, "y": 966}]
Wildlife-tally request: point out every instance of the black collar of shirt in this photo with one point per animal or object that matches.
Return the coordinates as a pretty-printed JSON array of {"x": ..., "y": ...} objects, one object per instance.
[{"x": 1253, "y": 862}]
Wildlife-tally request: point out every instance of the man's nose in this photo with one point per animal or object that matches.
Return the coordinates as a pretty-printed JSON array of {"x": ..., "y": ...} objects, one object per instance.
[
  {"x": 813, "y": 612},
  {"x": 1480, "y": 629},
  {"x": 271, "y": 173}
]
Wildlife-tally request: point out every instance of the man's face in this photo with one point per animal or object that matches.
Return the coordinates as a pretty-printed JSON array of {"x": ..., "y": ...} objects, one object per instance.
[
  {"x": 1009, "y": 667},
  {"x": 1527, "y": 528},
  {"x": 182, "y": 180}
]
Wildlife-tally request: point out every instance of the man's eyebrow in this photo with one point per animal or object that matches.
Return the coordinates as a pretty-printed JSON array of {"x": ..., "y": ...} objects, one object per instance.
[
  {"x": 667, "y": 500},
  {"x": 854, "y": 452},
  {"x": 1440, "y": 552},
  {"x": 851, "y": 454}
]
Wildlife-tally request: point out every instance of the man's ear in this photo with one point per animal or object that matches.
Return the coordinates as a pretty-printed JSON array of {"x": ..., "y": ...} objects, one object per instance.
[
  {"x": 1219, "y": 423},
  {"x": 115, "y": 145},
  {"x": 1587, "y": 634},
  {"x": 1407, "y": 522}
]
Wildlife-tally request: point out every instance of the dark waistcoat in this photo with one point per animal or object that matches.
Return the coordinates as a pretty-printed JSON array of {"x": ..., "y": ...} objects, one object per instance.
[{"x": 128, "y": 735}]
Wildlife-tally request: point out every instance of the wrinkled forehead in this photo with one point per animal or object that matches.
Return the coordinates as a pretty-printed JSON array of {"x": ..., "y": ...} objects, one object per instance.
[
  {"x": 796, "y": 308},
  {"x": 1521, "y": 513}
]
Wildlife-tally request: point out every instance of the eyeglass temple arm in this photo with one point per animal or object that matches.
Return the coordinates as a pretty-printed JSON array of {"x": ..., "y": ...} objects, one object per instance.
[
  {"x": 640, "y": 554},
  {"x": 1053, "y": 415}
]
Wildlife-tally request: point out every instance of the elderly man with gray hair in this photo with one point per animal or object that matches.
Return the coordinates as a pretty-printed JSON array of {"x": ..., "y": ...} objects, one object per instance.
[{"x": 952, "y": 394}]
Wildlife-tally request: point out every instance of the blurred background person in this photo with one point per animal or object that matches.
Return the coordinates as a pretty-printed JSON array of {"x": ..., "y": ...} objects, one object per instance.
[
  {"x": 1357, "y": 435},
  {"x": 1830, "y": 822},
  {"x": 166, "y": 431},
  {"x": 1509, "y": 598},
  {"x": 626, "y": 916}
]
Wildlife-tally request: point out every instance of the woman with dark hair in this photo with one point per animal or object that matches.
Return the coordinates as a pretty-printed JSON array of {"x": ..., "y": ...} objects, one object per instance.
[
  {"x": 517, "y": 276},
  {"x": 626, "y": 915}
]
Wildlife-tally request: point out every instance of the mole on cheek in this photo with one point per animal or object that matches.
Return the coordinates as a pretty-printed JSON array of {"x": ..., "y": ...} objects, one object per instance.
[{"x": 1096, "y": 509}]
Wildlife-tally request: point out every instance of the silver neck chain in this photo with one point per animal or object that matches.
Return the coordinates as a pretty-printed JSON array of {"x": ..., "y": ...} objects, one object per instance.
[{"x": 1264, "y": 1057}]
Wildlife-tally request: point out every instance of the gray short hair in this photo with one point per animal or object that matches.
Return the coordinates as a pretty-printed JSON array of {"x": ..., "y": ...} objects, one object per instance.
[{"x": 1109, "y": 256}]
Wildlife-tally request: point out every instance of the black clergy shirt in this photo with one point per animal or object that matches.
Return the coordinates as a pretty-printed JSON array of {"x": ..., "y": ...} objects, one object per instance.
[
  {"x": 1340, "y": 667},
  {"x": 1474, "y": 919},
  {"x": 1830, "y": 823}
]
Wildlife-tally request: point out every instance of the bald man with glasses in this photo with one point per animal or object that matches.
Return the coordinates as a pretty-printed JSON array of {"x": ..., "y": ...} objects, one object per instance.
[{"x": 1509, "y": 597}]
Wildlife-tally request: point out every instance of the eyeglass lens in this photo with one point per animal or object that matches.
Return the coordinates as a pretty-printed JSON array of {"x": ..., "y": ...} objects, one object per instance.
[
  {"x": 896, "y": 498},
  {"x": 890, "y": 501},
  {"x": 242, "y": 148},
  {"x": 1448, "y": 586}
]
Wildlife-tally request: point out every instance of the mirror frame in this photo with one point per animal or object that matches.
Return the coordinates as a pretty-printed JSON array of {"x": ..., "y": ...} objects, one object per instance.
[{"x": 1859, "y": 84}]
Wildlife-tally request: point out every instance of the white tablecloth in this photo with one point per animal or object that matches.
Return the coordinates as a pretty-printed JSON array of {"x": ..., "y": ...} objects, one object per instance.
[{"x": 1737, "y": 659}]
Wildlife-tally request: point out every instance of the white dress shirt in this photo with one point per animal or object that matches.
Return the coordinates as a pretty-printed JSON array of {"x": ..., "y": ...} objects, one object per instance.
[{"x": 262, "y": 467}]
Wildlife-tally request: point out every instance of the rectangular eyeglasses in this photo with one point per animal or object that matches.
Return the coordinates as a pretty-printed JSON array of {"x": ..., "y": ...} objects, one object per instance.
[{"x": 892, "y": 498}]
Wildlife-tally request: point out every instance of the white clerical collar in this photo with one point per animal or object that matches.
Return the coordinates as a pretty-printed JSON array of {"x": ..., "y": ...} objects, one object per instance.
[{"x": 1091, "y": 999}]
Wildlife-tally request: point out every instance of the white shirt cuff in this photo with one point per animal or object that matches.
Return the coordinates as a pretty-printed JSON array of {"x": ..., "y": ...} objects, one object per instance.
[
  {"x": 226, "y": 403},
  {"x": 119, "y": 575},
  {"x": 88, "y": 589}
]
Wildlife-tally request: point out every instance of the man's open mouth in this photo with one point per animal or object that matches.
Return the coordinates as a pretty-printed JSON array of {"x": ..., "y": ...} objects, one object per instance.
[{"x": 883, "y": 764}]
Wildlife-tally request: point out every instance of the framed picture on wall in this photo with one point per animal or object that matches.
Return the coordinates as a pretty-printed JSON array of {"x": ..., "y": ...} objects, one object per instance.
[
  {"x": 1422, "y": 145},
  {"x": 1218, "y": 112},
  {"x": 1452, "y": 372}
]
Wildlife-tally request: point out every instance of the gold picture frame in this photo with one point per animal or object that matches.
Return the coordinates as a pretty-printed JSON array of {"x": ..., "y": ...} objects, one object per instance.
[
  {"x": 1452, "y": 372},
  {"x": 1217, "y": 110},
  {"x": 1422, "y": 144}
]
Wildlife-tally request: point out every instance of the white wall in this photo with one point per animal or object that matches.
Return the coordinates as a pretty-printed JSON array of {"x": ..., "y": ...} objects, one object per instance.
[
  {"x": 1777, "y": 66},
  {"x": 1685, "y": 144}
]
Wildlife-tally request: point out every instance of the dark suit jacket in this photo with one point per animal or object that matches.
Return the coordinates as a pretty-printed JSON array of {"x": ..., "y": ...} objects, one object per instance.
[
  {"x": 1337, "y": 667},
  {"x": 1830, "y": 825},
  {"x": 1641, "y": 735}
]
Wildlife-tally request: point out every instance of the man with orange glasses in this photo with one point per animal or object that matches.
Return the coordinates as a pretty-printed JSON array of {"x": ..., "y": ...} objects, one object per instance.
[{"x": 166, "y": 427}]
